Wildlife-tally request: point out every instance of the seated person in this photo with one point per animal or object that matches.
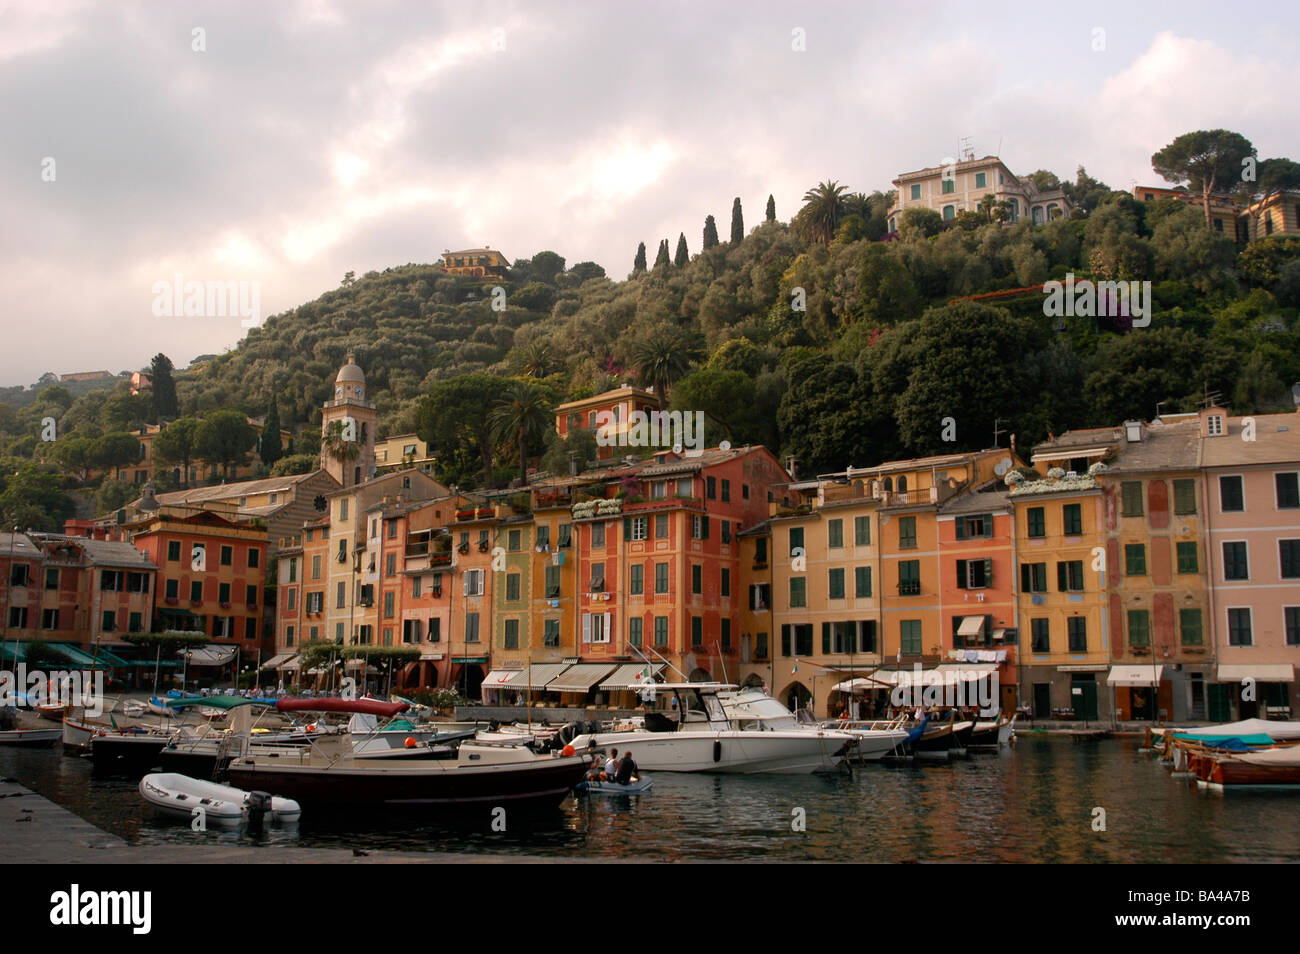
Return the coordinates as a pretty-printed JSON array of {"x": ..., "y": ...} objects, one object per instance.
[
  {"x": 611, "y": 766},
  {"x": 626, "y": 770}
]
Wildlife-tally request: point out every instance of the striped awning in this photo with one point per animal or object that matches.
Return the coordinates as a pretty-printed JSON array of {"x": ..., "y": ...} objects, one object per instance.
[{"x": 581, "y": 677}]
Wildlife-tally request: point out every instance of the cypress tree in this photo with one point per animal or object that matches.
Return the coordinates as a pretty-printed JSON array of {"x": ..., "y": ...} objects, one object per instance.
[
  {"x": 271, "y": 449},
  {"x": 638, "y": 263},
  {"x": 164, "y": 387},
  {"x": 771, "y": 209},
  {"x": 661, "y": 260},
  {"x": 683, "y": 256},
  {"x": 710, "y": 233},
  {"x": 737, "y": 223}
]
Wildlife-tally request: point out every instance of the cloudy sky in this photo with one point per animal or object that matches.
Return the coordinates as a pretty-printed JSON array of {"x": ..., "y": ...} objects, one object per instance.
[{"x": 285, "y": 143}]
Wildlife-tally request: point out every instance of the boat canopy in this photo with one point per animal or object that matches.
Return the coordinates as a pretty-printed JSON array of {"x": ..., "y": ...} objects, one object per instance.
[
  {"x": 1238, "y": 742},
  {"x": 1247, "y": 727},
  {"x": 366, "y": 706},
  {"x": 224, "y": 703}
]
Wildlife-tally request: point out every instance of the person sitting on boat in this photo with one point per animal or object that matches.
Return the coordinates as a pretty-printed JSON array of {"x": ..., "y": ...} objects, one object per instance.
[
  {"x": 627, "y": 772},
  {"x": 593, "y": 773},
  {"x": 611, "y": 766}
]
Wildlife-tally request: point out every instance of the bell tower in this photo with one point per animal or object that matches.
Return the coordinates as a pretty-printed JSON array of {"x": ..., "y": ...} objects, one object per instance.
[{"x": 350, "y": 462}]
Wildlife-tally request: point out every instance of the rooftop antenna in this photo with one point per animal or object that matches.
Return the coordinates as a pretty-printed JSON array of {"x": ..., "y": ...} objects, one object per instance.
[
  {"x": 998, "y": 430},
  {"x": 966, "y": 149}
]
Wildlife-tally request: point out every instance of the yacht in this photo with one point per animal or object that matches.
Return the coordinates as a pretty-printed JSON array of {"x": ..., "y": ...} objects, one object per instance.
[{"x": 710, "y": 727}]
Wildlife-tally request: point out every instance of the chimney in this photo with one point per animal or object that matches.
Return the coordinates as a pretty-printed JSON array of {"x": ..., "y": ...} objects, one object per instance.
[
  {"x": 1133, "y": 431},
  {"x": 789, "y": 467}
]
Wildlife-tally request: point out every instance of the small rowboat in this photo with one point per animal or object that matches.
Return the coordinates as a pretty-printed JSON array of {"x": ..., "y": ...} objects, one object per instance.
[
  {"x": 597, "y": 787},
  {"x": 30, "y": 736},
  {"x": 178, "y": 796},
  {"x": 54, "y": 712}
]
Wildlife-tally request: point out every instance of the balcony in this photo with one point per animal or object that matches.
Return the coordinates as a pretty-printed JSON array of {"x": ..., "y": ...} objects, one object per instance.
[
  {"x": 909, "y": 588},
  {"x": 760, "y": 564}
]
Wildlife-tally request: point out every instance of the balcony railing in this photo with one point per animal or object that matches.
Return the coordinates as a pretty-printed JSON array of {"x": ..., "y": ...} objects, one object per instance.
[{"x": 909, "y": 588}]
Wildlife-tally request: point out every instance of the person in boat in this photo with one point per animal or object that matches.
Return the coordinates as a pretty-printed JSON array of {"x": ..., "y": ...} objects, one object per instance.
[
  {"x": 611, "y": 766},
  {"x": 627, "y": 771},
  {"x": 593, "y": 773}
]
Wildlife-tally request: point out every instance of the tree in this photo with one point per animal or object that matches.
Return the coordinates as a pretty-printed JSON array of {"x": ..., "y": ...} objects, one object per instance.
[
  {"x": 683, "y": 256},
  {"x": 726, "y": 397},
  {"x": 638, "y": 263},
  {"x": 536, "y": 360},
  {"x": 662, "y": 358},
  {"x": 710, "y": 233},
  {"x": 76, "y": 454},
  {"x": 583, "y": 272},
  {"x": 225, "y": 437},
  {"x": 737, "y": 223},
  {"x": 1130, "y": 374},
  {"x": 662, "y": 260},
  {"x": 271, "y": 449},
  {"x": 821, "y": 415},
  {"x": 177, "y": 443},
  {"x": 31, "y": 497},
  {"x": 1044, "y": 181},
  {"x": 115, "y": 450},
  {"x": 546, "y": 266},
  {"x": 919, "y": 223},
  {"x": 452, "y": 419},
  {"x": 295, "y": 464},
  {"x": 164, "y": 387},
  {"x": 771, "y": 209},
  {"x": 1206, "y": 160},
  {"x": 336, "y": 445},
  {"x": 522, "y": 416},
  {"x": 822, "y": 211}
]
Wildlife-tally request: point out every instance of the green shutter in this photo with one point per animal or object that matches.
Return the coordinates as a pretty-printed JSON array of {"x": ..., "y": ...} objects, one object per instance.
[
  {"x": 704, "y": 527},
  {"x": 961, "y": 528},
  {"x": 785, "y": 639},
  {"x": 1062, "y": 580},
  {"x": 988, "y": 572},
  {"x": 961, "y": 575},
  {"x": 988, "y": 526},
  {"x": 826, "y": 639}
]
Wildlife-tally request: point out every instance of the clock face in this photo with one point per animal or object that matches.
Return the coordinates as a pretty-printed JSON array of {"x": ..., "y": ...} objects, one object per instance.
[
  {"x": 338, "y": 391},
  {"x": 357, "y": 390}
]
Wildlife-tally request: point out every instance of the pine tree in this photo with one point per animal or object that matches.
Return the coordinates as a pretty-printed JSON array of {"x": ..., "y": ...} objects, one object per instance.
[
  {"x": 164, "y": 387},
  {"x": 638, "y": 263},
  {"x": 683, "y": 256},
  {"x": 661, "y": 260},
  {"x": 737, "y": 223},
  {"x": 710, "y": 233},
  {"x": 771, "y": 209},
  {"x": 271, "y": 449}
]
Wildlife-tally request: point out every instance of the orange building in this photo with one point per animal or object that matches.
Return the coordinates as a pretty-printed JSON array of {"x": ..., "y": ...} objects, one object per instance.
[
  {"x": 476, "y": 263},
  {"x": 615, "y": 406}
]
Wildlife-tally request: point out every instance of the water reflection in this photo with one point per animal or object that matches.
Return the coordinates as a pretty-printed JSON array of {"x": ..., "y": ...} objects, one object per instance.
[{"x": 1031, "y": 803}]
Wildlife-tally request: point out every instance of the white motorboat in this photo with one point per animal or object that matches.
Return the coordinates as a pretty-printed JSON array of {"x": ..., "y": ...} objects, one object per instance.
[
  {"x": 179, "y": 796},
  {"x": 709, "y": 727},
  {"x": 876, "y": 739}
]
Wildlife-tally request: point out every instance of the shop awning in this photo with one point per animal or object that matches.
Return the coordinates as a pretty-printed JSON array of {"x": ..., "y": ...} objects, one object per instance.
[
  {"x": 536, "y": 676},
  {"x": 429, "y": 654},
  {"x": 980, "y": 669},
  {"x": 948, "y": 674},
  {"x": 1135, "y": 675},
  {"x": 632, "y": 675},
  {"x": 277, "y": 661},
  {"x": 861, "y": 684},
  {"x": 581, "y": 677},
  {"x": 971, "y": 626},
  {"x": 498, "y": 678},
  {"x": 211, "y": 655},
  {"x": 1260, "y": 672},
  {"x": 292, "y": 665}
]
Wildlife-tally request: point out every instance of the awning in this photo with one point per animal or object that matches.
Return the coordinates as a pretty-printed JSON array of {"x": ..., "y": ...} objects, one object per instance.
[
  {"x": 632, "y": 675},
  {"x": 980, "y": 669},
  {"x": 429, "y": 654},
  {"x": 580, "y": 678},
  {"x": 293, "y": 665},
  {"x": 1086, "y": 667},
  {"x": 537, "y": 676},
  {"x": 277, "y": 661},
  {"x": 211, "y": 655},
  {"x": 1135, "y": 675},
  {"x": 1260, "y": 672},
  {"x": 861, "y": 684},
  {"x": 971, "y": 626},
  {"x": 934, "y": 677},
  {"x": 498, "y": 678}
]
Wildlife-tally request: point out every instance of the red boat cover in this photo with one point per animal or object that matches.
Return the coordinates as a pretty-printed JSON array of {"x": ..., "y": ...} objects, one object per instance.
[{"x": 367, "y": 706}]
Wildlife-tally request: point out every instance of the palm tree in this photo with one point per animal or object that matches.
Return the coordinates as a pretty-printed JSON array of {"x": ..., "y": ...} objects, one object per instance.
[
  {"x": 988, "y": 204},
  {"x": 344, "y": 451},
  {"x": 661, "y": 359},
  {"x": 521, "y": 416},
  {"x": 536, "y": 360},
  {"x": 822, "y": 212}
]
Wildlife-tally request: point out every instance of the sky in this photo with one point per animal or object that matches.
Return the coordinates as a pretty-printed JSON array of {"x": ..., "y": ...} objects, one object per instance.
[{"x": 279, "y": 145}]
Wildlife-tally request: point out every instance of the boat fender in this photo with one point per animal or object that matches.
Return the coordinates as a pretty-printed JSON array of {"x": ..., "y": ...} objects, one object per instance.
[
  {"x": 568, "y": 750},
  {"x": 409, "y": 743},
  {"x": 717, "y": 750}
]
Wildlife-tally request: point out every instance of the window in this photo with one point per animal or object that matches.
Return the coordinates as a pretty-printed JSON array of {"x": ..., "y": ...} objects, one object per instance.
[
  {"x": 636, "y": 581},
  {"x": 1036, "y": 522},
  {"x": 544, "y": 535},
  {"x": 1139, "y": 628},
  {"x": 253, "y": 558},
  {"x": 341, "y": 596},
  {"x": 1040, "y": 637},
  {"x": 974, "y": 574},
  {"x": 726, "y": 582},
  {"x": 315, "y": 568},
  {"x": 512, "y": 587},
  {"x": 343, "y": 509},
  {"x": 411, "y": 630},
  {"x": 292, "y": 599},
  {"x": 1236, "y": 566},
  {"x": 726, "y": 530},
  {"x": 595, "y": 627},
  {"x": 1033, "y": 577},
  {"x": 597, "y": 534},
  {"x": 907, "y": 533},
  {"x": 1288, "y": 491},
  {"x": 552, "y": 582},
  {"x": 661, "y": 578},
  {"x": 1135, "y": 559},
  {"x": 916, "y": 192},
  {"x": 640, "y": 528},
  {"x": 909, "y": 635},
  {"x": 1230, "y": 495},
  {"x": 798, "y": 591},
  {"x": 1290, "y": 553},
  {"x": 760, "y": 552},
  {"x": 390, "y": 564},
  {"x": 1072, "y": 519},
  {"x": 697, "y": 629},
  {"x": 471, "y": 627},
  {"x": 1184, "y": 495},
  {"x": 1078, "y": 634},
  {"x": 472, "y": 585},
  {"x": 415, "y": 587},
  {"x": 514, "y": 540},
  {"x": 1131, "y": 498},
  {"x": 1214, "y": 425},
  {"x": 803, "y": 639},
  {"x": 909, "y": 577},
  {"x": 711, "y": 488},
  {"x": 760, "y": 645},
  {"x": 661, "y": 526},
  {"x": 598, "y": 577},
  {"x": 551, "y": 632},
  {"x": 223, "y": 592},
  {"x": 227, "y": 556},
  {"x": 51, "y": 578},
  {"x": 196, "y": 591},
  {"x": 50, "y": 619},
  {"x": 862, "y": 531},
  {"x": 972, "y": 528},
  {"x": 173, "y": 550},
  {"x": 1069, "y": 575},
  {"x": 796, "y": 540},
  {"x": 948, "y": 185},
  {"x": 250, "y": 595},
  {"x": 697, "y": 578},
  {"x": 565, "y": 537},
  {"x": 760, "y": 596},
  {"x": 109, "y": 620},
  {"x": 250, "y": 630},
  {"x": 726, "y": 490},
  {"x": 171, "y": 589},
  {"x": 981, "y": 180},
  {"x": 835, "y": 533},
  {"x": 699, "y": 526},
  {"x": 343, "y": 550},
  {"x": 1291, "y": 614},
  {"x": 293, "y": 569},
  {"x": 435, "y": 630},
  {"x": 512, "y": 634},
  {"x": 1188, "y": 556},
  {"x": 862, "y": 581},
  {"x": 949, "y": 212},
  {"x": 109, "y": 580},
  {"x": 661, "y": 631},
  {"x": 1239, "y": 633},
  {"x": 634, "y": 628},
  {"x": 836, "y": 583},
  {"x": 1189, "y": 625}
]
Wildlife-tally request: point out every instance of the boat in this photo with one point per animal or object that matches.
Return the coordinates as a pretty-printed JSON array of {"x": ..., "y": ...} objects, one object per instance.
[
  {"x": 52, "y": 711},
  {"x": 134, "y": 709},
  {"x": 594, "y": 786},
  {"x": 713, "y": 728},
  {"x": 178, "y": 796},
  {"x": 158, "y": 706},
  {"x": 29, "y": 736},
  {"x": 1277, "y": 768},
  {"x": 365, "y": 706},
  {"x": 484, "y": 772},
  {"x": 993, "y": 733},
  {"x": 127, "y": 750},
  {"x": 78, "y": 731}
]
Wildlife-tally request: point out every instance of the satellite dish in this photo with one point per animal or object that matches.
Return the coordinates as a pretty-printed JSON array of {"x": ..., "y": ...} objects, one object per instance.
[{"x": 1003, "y": 466}]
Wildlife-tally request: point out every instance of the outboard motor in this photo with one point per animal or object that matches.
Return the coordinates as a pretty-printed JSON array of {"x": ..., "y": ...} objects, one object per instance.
[
  {"x": 8, "y": 719},
  {"x": 259, "y": 806},
  {"x": 568, "y": 732}
]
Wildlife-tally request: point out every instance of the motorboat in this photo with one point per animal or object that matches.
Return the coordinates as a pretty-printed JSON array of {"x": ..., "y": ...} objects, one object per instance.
[
  {"x": 877, "y": 739},
  {"x": 710, "y": 727},
  {"x": 484, "y": 772},
  {"x": 128, "y": 750},
  {"x": 11, "y": 733},
  {"x": 181, "y": 797}
]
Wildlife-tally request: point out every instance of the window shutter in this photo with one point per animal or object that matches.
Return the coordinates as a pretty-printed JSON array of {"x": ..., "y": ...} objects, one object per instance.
[
  {"x": 704, "y": 527},
  {"x": 627, "y": 528},
  {"x": 988, "y": 526},
  {"x": 961, "y": 574},
  {"x": 1026, "y": 578},
  {"x": 961, "y": 528},
  {"x": 988, "y": 572},
  {"x": 785, "y": 639},
  {"x": 465, "y": 584},
  {"x": 826, "y": 639},
  {"x": 586, "y": 627},
  {"x": 1062, "y": 582},
  {"x": 609, "y": 632}
]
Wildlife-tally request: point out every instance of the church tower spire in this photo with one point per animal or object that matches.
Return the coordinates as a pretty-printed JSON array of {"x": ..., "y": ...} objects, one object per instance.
[{"x": 347, "y": 447}]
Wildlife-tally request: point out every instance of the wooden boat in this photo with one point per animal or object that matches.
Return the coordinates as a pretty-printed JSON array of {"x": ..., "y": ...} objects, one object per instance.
[
  {"x": 597, "y": 787},
  {"x": 178, "y": 796},
  {"x": 992, "y": 733},
  {"x": 1264, "y": 768},
  {"x": 30, "y": 736},
  {"x": 78, "y": 731},
  {"x": 52, "y": 711}
]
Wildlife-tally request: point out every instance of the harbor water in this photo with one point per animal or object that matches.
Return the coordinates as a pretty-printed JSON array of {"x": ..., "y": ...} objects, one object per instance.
[{"x": 1045, "y": 799}]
